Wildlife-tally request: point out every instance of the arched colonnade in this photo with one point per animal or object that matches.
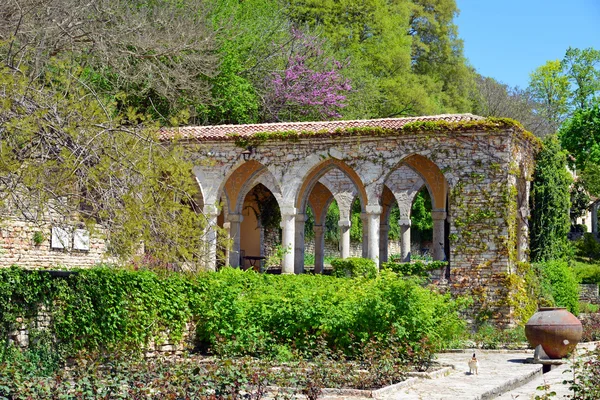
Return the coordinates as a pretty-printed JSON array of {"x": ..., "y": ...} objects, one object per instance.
[{"x": 315, "y": 184}]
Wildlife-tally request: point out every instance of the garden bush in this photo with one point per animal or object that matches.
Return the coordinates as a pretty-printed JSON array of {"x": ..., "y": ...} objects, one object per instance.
[
  {"x": 354, "y": 267},
  {"x": 588, "y": 247},
  {"x": 417, "y": 268},
  {"x": 586, "y": 273},
  {"x": 235, "y": 312},
  {"x": 559, "y": 285}
]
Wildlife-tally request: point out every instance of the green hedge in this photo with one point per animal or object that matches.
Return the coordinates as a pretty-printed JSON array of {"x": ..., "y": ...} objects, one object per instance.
[
  {"x": 235, "y": 312},
  {"x": 559, "y": 284},
  {"x": 354, "y": 267},
  {"x": 585, "y": 272},
  {"x": 418, "y": 268}
]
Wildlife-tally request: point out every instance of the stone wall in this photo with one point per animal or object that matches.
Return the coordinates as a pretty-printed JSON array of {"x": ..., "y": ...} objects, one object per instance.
[
  {"x": 18, "y": 247},
  {"x": 589, "y": 292},
  {"x": 21, "y": 335},
  {"x": 478, "y": 182}
]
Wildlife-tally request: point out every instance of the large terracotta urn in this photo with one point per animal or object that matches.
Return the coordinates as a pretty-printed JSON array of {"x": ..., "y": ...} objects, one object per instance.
[{"x": 556, "y": 329}]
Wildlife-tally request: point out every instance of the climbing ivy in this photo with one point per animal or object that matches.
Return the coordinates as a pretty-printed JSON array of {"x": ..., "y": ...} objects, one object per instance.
[
  {"x": 485, "y": 125},
  {"x": 550, "y": 201}
]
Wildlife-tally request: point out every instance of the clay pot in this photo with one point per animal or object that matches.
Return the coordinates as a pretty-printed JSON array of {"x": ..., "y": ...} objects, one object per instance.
[{"x": 556, "y": 329}]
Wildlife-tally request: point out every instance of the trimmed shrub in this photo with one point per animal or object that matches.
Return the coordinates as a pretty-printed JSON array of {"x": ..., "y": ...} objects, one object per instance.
[
  {"x": 586, "y": 273},
  {"x": 588, "y": 247},
  {"x": 354, "y": 267},
  {"x": 559, "y": 284},
  {"x": 418, "y": 268},
  {"x": 235, "y": 312}
]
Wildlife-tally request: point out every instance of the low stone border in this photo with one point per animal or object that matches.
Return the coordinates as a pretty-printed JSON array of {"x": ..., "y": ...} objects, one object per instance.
[
  {"x": 414, "y": 377},
  {"x": 510, "y": 385}
]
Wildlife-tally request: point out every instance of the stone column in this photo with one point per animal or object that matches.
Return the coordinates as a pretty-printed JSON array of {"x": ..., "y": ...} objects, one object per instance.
[
  {"x": 365, "y": 234},
  {"x": 235, "y": 221},
  {"x": 319, "y": 248},
  {"x": 211, "y": 212},
  {"x": 595, "y": 219},
  {"x": 288, "y": 225},
  {"x": 344, "y": 238},
  {"x": 438, "y": 216},
  {"x": 384, "y": 231},
  {"x": 373, "y": 218},
  {"x": 299, "y": 244},
  {"x": 404, "y": 225}
]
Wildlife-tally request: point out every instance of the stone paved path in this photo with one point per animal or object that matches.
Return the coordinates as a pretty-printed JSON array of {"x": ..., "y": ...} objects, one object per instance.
[{"x": 498, "y": 372}]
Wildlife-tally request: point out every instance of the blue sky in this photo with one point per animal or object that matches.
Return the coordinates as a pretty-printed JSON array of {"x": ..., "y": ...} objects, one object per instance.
[{"x": 508, "y": 39}]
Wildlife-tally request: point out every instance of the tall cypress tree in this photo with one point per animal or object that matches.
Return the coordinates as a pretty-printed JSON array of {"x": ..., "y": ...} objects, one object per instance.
[{"x": 550, "y": 203}]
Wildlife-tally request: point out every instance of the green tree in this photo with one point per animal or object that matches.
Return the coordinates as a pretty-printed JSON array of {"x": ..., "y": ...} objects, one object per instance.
[
  {"x": 152, "y": 55},
  {"x": 582, "y": 69},
  {"x": 405, "y": 58},
  {"x": 550, "y": 201},
  {"x": 550, "y": 88},
  {"x": 67, "y": 159},
  {"x": 580, "y": 136}
]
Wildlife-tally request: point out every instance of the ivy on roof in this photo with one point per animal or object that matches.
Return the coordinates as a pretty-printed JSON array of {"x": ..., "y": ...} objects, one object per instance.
[{"x": 415, "y": 127}]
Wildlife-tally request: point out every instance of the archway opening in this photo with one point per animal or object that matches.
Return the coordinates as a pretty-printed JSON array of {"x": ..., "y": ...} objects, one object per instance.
[
  {"x": 421, "y": 228},
  {"x": 260, "y": 231},
  {"x": 330, "y": 190}
]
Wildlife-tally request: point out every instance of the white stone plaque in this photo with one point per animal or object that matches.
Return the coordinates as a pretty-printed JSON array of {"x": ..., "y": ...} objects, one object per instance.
[
  {"x": 61, "y": 238},
  {"x": 81, "y": 239}
]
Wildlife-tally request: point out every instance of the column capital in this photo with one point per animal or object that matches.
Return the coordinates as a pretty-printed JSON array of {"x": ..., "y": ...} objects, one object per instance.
[
  {"x": 301, "y": 218},
  {"x": 405, "y": 222},
  {"x": 374, "y": 210},
  {"x": 319, "y": 228},
  {"x": 235, "y": 217},
  {"x": 287, "y": 210},
  {"x": 211, "y": 209},
  {"x": 344, "y": 224},
  {"x": 437, "y": 215}
]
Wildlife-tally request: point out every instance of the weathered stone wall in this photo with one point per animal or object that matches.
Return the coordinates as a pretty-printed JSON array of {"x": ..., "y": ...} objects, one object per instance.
[
  {"x": 21, "y": 335},
  {"x": 17, "y": 247},
  {"x": 483, "y": 175},
  {"x": 589, "y": 292}
]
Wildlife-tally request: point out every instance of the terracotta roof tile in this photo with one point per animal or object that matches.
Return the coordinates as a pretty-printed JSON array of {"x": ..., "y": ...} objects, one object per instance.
[{"x": 225, "y": 132}]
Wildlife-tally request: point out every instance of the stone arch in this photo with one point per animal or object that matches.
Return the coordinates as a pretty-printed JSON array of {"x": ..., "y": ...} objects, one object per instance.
[
  {"x": 412, "y": 173},
  {"x": 242, "y": 179},
  {"x": 316, "y": 172},
  {"x": 320, "y": 199},
  {"x": 432, "y": 175}
]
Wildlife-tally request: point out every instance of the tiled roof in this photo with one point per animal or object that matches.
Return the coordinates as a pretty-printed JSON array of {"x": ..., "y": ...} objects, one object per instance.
[{"x": 225, "y": 132}]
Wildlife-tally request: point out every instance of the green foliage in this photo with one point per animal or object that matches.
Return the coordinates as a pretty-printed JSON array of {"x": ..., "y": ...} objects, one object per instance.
[
  {"x": 586, "y": 272},
  {"x": 251, "y": 313},
  {"x": 550, "y": 202},
  {"x": 38, "y": 237},
  {"x": 586, "y": 377},
  {"x": 406, "y": 61},
  {"x": 417, "y": 268},
  {"x": 235, "y": 312},
  {"x": 96, "y": 170},
  {"x": 488, "y": 336},
  {"x": 559, "y": 284},
  {"x": 580, "y": 201},
  {"x": 421, "y": 228},
  {"x": 588, "y": 247},
  {"x": 354, "y": 267},
  {"x": 580, "y": 135}
]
